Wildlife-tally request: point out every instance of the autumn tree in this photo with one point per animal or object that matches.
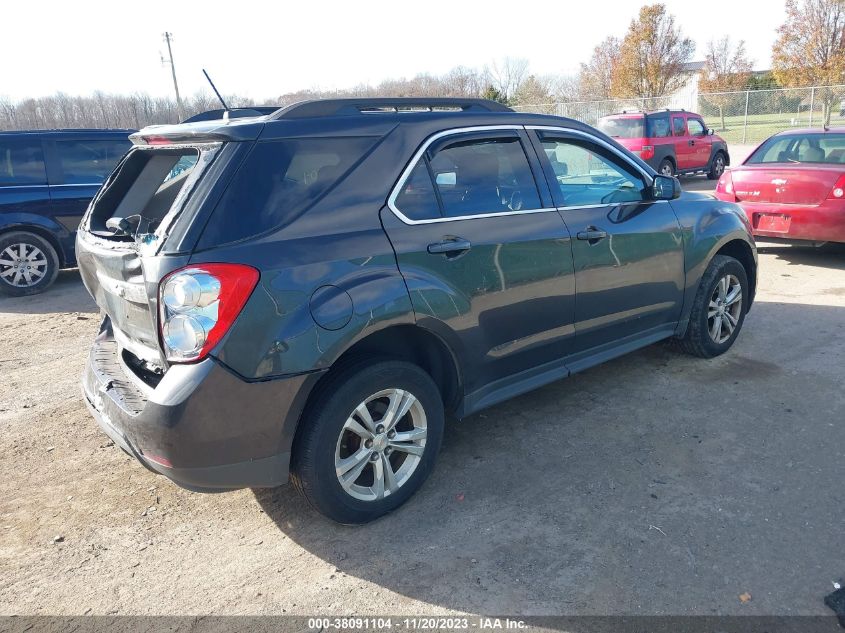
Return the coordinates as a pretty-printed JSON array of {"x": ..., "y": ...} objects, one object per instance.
[
  {"x": 595, "y": 79},
  {"x": 727, "y": 69},
  {"x": 652, "y": 55},
  {"x": 810, "y": 48}
]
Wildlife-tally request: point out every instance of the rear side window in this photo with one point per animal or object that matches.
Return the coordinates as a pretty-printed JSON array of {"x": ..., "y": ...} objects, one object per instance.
[
  {"x": 89, "y": 162},
  {"x": 623, "y": 127},
  {"x": 21, "y": 163},
  {"x": 417, "y": 199},
  {"x": 658, "y": 127},
  {"x": 484, "y": 176},
  {"x": 678, "y": 126},
  {"x": 280, "y": 180}
]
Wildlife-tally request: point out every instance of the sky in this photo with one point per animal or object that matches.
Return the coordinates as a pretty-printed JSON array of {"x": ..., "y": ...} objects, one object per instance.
[{"x": 270, "y": 48}]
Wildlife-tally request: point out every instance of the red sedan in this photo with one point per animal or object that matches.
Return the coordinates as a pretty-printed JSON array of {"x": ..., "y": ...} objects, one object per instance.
[{"x": 792, "y": 186}]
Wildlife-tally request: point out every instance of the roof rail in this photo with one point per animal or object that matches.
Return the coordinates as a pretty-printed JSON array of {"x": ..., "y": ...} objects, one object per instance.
[
  {"x": 347, "y": 107},
  {"x": 234, "y": 113}
]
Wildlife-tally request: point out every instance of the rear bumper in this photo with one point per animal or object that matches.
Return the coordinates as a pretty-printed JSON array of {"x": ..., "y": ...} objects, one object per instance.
[
  {"x": 202, "y": 426},
  {"x": 819, "y": 223}
]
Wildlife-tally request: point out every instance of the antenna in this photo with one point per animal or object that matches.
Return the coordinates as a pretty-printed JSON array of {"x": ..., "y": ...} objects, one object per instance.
[{"x": 214, "y": 88}]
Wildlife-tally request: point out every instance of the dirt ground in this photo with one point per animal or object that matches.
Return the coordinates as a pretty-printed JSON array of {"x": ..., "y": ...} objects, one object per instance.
[{"x": 655, "y": 484}]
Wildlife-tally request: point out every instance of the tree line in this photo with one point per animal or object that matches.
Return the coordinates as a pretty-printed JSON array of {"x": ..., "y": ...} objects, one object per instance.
[{"x": 650, "y": 60}]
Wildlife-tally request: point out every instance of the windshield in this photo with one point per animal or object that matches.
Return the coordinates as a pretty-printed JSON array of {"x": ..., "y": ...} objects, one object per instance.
[
  {"x": 627, "y": 127},
  {"x": 819, "y": 148}
]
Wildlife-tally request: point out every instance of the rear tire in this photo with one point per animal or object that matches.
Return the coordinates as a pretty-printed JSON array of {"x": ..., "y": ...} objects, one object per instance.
[
  {"x": 666, "y": 167},
  {"x": 28, "y": 264},
  {"x": 717, "y": 166},
  {"x": 718, "y": 312},
  {"x": 352, "y": 460}
]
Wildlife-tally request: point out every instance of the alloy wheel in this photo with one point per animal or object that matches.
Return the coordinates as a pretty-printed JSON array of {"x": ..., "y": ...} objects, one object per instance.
[
  {"x": 381, "y": 444},
  {"x": 23, "y": 265},
  {"x": 725, "y": 309},
  {"x": 719, "y": 166}
]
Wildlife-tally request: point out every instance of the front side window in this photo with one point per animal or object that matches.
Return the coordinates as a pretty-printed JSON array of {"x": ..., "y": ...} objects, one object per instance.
[
  {"x": 679, "y": 128},
  {"x": 591, "y": 175},
  {"x": 89, "y": 162},
  {"x": 482, "y": 176},
  {"x": 21, "y": 163},
  {"x": 696, "y": 127}
]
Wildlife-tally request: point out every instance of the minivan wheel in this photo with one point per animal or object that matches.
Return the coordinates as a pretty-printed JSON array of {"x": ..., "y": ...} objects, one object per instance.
[
  {"x": 28, "y": 264},
  {"x": 718, "y": 310},
  {"x": 369, "y": 441},
  {"x": 666, "y": 168}
]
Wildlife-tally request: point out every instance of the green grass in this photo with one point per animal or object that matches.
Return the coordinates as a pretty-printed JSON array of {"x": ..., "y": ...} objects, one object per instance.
[{"x": 762, "y": 126}]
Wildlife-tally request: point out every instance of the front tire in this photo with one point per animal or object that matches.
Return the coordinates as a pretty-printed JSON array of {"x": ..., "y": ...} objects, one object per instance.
[
  {"x": 718, "y": 310},
  {"x": 28, "y": 264},
  {"x": 369, "y": 441}
]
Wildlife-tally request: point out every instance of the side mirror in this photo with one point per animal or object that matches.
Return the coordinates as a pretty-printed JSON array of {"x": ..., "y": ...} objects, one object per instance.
[
  {"x": 710, "y": 132},
  {"x": 666, "y": 188}
]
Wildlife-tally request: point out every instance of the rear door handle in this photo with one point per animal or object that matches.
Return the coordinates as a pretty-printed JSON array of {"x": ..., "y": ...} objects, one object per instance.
[
  {"x": 692, "y": 142},
  {"x": 451, "y": 246},
  {"x": 592, "y": 234}
]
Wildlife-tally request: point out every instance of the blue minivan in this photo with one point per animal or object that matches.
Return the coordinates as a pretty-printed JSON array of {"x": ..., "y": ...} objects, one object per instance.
[{"x": 47, "y": 179}]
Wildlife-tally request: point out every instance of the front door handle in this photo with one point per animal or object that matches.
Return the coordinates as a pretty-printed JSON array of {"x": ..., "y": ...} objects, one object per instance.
[
  {"x": 591, "y": 234},
  {"x": 692, "y": 142},
  {"x": 452, "y": 246}
]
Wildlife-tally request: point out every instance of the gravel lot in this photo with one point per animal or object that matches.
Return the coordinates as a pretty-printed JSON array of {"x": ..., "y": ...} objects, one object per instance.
[{"x": 655, "y": 484}]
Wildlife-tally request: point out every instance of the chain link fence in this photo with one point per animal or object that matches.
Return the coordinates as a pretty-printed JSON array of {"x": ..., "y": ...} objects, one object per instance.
[{"x": 745, "y": 117}]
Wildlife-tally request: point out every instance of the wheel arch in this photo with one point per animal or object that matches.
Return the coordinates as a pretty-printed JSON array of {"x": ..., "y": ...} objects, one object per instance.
[
  {"x": 407, "y": 342},
  {"x": 741, "y": 251},
  {"x": 411, "y": 343},
  {"x": 41, "y": 232}
]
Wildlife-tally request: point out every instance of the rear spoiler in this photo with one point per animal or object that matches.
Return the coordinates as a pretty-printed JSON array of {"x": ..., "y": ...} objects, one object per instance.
[
  {"x": 215, "y": 130},
  {"x": 236, "y": 113}
]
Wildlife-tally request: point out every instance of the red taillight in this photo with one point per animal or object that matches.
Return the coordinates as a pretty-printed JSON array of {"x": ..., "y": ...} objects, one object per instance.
[
  {"x": 838, "y": 191},
  {"x": 197, "y": 306},
  {"x": 647, "y": 152},
  {"x": 725, "y": 186}
]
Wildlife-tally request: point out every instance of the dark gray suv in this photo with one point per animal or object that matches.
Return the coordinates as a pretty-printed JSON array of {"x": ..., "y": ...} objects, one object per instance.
[{"x": 309, "y": 293}]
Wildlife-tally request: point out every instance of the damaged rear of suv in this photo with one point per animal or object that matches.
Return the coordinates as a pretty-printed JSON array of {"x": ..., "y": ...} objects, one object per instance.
[{"x": 308, "y": 293}]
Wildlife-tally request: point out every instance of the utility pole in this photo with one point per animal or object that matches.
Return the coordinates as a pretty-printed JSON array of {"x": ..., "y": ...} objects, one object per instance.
[{"x": 167, "y": 37}]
